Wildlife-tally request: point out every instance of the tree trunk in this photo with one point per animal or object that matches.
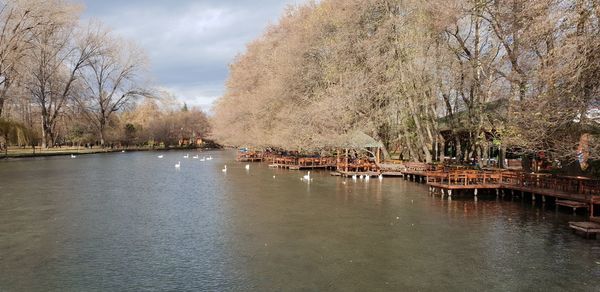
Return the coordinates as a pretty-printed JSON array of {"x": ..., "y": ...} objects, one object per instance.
[
  {"x": 46, "y": 130},
  {"x": 441, "y": 148},
  {"x": 458, "y": 150},
  {"x": 411, "y": 152},
  {"x": 101, "y": 132},
  {"x": 501, "y": 156},
  {"x": 419, "y": 131}
]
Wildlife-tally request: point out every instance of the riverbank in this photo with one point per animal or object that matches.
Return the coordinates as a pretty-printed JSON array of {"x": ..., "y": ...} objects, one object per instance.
[{"x": 16, "y": 153}]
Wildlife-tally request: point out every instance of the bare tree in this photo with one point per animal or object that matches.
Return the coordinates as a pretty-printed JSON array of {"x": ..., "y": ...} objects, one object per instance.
[
  {"x": 20, "y": 21},
  {"x": 60, "y": 51},
  {"x": 111, "y": 80}
]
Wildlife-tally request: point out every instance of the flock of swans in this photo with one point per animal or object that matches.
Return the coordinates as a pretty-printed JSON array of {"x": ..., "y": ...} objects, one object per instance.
[
  {"x": 305, "y": 178},
  {"x": 204, "y": 158}
]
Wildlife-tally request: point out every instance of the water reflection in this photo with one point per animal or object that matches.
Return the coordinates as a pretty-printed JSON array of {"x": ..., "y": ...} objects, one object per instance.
[{"x": 132, "y": 221}]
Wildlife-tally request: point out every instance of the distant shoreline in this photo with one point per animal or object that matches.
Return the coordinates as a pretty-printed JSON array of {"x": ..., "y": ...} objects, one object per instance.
[{"x": 87, "y": 151}]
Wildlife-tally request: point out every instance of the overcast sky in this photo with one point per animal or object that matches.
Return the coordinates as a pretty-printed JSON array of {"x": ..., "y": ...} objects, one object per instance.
[{"x": 190, "y": 42}]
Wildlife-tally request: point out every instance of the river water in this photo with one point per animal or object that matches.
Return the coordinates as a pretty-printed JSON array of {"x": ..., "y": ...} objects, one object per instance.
[{"x": 131, "y": 221}]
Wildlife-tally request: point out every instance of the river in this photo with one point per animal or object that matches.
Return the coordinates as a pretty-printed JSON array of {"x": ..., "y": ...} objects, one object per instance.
[{"x": 133, "y": 222}]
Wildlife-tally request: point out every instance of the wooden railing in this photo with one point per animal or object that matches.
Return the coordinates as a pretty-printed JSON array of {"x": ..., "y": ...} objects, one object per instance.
[
  {"x": 249, "y": 155},
  {"x": 567, "y": 184},
  {"x": 581, "y": 186},
  {"x": 303, "y": 161},
  {"x": 464, "y": 177},
  {"x": 360, "y": 165},
  {"x": 316, "y": 161}
]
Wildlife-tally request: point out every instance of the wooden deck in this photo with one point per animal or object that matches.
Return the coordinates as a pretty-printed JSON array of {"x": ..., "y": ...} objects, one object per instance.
[
  {"x": 465, "y": 187},
  {"x": 572, "y": 204},
  {"x": 304, "y": 167},
  {"x": 303, "y": 163},
  {"x": 357, "y": 173},
  {"x": 254, "y": 156},
  {"x": 575, "y": 189},
  {"x": 250, "y": 159},
  {"x": 589, "y": 229},
  {"x": 392, "y": 173}
]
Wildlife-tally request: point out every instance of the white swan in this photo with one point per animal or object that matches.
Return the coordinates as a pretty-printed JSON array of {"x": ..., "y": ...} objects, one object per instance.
[
  {"x": 160, "y": 156},
  {"x": 195, "y": 157},
  {"x": 380, "y": 176},
  {"x": 354, "y": 177},
  {"x": 73, "y": 156},
  {"x": 224, "y": 169},
  {"x": 247, "y": 166},
  {"x": 178, "y": 164},
  {"x": 209, "y": 158},
  {"x": 203, "y": 158},
  {"x": 122, "y": 151},
  {"x": 367, "y": 177},
  {"x": 186, "y": 156},
  {"x": 307, "y": 176}
]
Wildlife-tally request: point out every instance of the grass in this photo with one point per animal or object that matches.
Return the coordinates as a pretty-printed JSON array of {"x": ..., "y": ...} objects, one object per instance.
[{"x": 19, "y": 152}]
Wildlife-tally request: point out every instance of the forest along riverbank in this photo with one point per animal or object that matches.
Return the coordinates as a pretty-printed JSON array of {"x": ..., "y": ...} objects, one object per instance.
[{"x": 15, "y": 153}]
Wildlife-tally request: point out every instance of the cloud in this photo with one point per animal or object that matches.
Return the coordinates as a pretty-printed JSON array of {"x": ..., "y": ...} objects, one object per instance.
[{"x": 190, "y": 43}]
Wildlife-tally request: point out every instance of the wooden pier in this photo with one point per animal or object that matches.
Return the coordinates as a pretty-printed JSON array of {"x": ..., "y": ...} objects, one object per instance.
[
  {"x": 571, "y": 204},
  {"x": 392, "y": 168},
  {"x": 588, "y": 229},
  {"x": 591, "y": 228},
  {"x": 355, "y": 173},
  {"x": 250, "y": 157},
  {"x": 303, "y": 163}
]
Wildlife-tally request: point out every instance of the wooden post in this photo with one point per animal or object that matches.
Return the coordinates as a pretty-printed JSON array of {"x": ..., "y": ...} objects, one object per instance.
[{"x": 346, "y": 160}]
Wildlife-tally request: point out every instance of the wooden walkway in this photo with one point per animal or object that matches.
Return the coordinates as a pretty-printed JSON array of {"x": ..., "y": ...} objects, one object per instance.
[
  {"x": 302, "y": 167},
  {"x": 250, "y": 157},
  {"x": 355, "y": 173},
  {"x": 589, "y": 229},
  {"x": 303, "y": 163},
  {"x": 574, "y": 189}
]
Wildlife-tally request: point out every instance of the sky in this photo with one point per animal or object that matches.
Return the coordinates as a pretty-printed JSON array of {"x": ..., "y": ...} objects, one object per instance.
[{"x": 190, "y": 43}]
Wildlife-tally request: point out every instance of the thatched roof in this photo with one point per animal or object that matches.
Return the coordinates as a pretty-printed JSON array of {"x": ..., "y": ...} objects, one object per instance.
[{"x": 356, "y": 140}]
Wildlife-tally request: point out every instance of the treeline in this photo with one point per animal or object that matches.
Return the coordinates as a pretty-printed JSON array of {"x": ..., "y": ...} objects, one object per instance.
[
  {"x": 426, "y": 78},
  {"x": 65, "y": 81}
]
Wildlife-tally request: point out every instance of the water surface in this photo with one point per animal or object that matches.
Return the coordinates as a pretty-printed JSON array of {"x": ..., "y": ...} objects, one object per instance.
[{"x": 131, "y": 221}]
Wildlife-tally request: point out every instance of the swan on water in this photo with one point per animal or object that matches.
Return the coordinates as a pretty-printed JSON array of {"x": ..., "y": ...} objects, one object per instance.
[
  {"x": 122, "y": 151},
  {"x": 354, "y": 177},
  {"x": 380, "y": 176},
  {"x": 186, "y": 156},
  {"x": 307, "y": 176},
  {"x": 224, "y": 169},
  {"x": 367, "y": 177},
  {"x": 73, "y": 156},
  {"x": 160, "y": 156},
  {"x": 203, "y": 158},
  {"x": 195, "y": 157},
  {"x": 247, "y": 166},
  {"x": 178, "y": 164}
]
